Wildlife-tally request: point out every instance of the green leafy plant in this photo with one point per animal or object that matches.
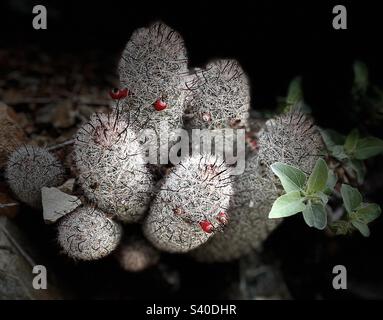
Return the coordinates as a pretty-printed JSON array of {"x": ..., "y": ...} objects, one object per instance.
[
  {"x": 359, "y": 214},
  {"x": 308, "y": 195},
  {"x": 352, "y": 150}
]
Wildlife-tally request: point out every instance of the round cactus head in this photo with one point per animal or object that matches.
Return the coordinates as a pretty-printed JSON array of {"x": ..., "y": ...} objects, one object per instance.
[
  {"x": 111, "y": 166},
  {"x": 218, "y": 96},
  {"x": 190, "y": 205},
  {"x": 31, "y": 168},
  {"x": 137, "y": 255},
  {"x": 291, "y": 138},
  {"x": 88, "y": 234},
  {"x": 203, "y": 185},
  {"x": 153, "y": 67}
]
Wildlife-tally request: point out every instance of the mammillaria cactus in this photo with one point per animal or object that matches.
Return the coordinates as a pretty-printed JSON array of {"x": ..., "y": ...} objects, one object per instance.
[
  {"x": 218, "y": 96},
  {"x": 202, "y": 206},
  {"x": 256, "y": 189},
  {"x": 218, "y": 99},
  {"x": 137, "y": 255},
  {"x": 88, "y": 234},
  {"x": 291, "y": 138},
  {"x": 31, "y": 168},
  {"x": 111, "y": 167},
  {"x": 190, "y": 205},
  {"x": 154, "y": 68}
]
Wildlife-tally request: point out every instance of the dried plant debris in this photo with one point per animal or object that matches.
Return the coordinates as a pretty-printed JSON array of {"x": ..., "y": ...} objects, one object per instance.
[{"x": 57, "y": 204}]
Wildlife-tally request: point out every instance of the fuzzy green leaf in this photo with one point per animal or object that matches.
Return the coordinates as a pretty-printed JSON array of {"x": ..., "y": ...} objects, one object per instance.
[
  {"x": 351, "y": 141},
  {"x": 368, "y": 147},
  {"x": 315, "y": 215},
  {"x": 331, "y": 182},
  {"x": 338, "y": 153},
  {"x": 287, "y": 205},
  {"x": 294, "y": 92},
  {"x": 359, "y": 168},
  {"x": 341, "y": 227},
  {"x": 351, "y": 197},
  {"x": 362, "y": 227},
  {"x": 318, "y": 178},
  {"x": 331, "y": 138},
  {"x": 368, "y": 212},
  {"x": 323, "y": 197},
  {"x": 292, "y": 178}
]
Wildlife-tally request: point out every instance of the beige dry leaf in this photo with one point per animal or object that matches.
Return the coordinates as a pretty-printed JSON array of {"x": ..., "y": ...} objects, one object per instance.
[{"x": 56, "y": 204}]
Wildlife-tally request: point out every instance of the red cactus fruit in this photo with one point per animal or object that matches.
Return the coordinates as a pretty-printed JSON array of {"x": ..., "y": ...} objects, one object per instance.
[
  {"x": 116, "y": 93},
  {"x": 159, "y": 105},
  {"x": 222, "y": 218},
  {"x": 206, "y": 226}
]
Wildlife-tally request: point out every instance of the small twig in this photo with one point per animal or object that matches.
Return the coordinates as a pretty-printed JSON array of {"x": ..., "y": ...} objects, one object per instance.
[
  {"x": 61, "y": 145},
  {"x": 6, "y": 205}
]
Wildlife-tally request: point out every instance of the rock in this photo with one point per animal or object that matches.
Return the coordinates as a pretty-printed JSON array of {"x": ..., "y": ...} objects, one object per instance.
[
  {"x": 57, "y": 204},
  {"x": 11, "y": 135}
]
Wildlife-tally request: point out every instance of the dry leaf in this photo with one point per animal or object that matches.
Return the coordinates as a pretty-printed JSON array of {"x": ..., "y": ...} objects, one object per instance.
[{"x": 57, "y": 204}]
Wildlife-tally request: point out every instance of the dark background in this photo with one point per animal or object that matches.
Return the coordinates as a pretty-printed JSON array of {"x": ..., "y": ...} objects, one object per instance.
[{"x": 274, "y": 41}]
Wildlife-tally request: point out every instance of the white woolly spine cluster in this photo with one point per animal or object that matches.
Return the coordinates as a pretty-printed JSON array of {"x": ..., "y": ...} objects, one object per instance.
[
  {"x": 218, "y": 97},
  {"x": 195, "y": 192},
  {"x": 111, "y": 167},
  {"x": 88, "y": 234},
  {"x": 290, "y": 138},
  {"x": 29, "y": 169},
  {"x": 154, "y": 67},
  {"x": 137, "y": 255}
]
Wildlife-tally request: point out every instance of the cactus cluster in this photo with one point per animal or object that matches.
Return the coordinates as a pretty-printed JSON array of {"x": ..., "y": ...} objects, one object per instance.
[
  {"x": 154, "y": 68},
  {"x": 199, "y": 206},
  {"x": 291, "y": 137}
]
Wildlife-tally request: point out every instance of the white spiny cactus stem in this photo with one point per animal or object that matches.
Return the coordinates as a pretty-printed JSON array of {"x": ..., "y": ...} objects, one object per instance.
[
  {"x": 153, "y": 67},
  {"x": 190, "y": 205},
  {"x": 111, "y": 167},
  {"x": 218, "y": 97},
  {"x": 31, "y": 168},
  {"x": 291, "y": 138},
  {"x": 88, "y": 234}
]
